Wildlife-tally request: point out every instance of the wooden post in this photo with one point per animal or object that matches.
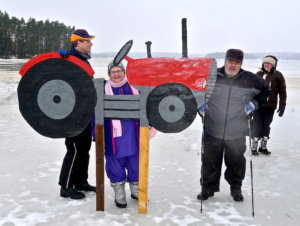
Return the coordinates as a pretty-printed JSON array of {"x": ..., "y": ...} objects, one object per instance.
[
  {"x": 144, "y": 152},
  {"x": 143, "y": 170},
  {"x": 99, "y": 132}
]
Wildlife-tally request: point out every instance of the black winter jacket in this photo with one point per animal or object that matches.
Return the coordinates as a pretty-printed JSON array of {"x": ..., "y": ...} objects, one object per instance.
[
  {"x": 76, "y": 53},
  {"x": 226, "y": 117}
]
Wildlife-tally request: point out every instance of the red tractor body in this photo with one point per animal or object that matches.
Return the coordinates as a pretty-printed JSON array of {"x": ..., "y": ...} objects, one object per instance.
[
  {"x": 173, "y": 88},
  {"x": 191, "y": 72}
]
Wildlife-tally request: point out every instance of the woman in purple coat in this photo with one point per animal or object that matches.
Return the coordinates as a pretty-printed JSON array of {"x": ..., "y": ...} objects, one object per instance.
[{"x": 121, "y": 141}]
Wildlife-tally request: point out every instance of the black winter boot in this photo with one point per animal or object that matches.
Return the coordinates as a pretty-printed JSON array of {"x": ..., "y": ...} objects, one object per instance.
[
  {"x": 71, "y": 193},
  {"x": 254, "y": 146},
  {"x": 85, "y": 187},
  {"x": 263, "y": 146},
  {"x": 236, "y": 194},
  {"x": 205, "y": 195}
]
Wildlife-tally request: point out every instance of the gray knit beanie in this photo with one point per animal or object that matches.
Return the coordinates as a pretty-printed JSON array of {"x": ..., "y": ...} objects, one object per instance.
[{"x": 111, "y": 66}]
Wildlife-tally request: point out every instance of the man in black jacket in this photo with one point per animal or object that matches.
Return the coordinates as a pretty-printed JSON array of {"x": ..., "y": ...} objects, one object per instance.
[
  {"x": 236, "y": 94},
  {"x": 74, "y": 171}
]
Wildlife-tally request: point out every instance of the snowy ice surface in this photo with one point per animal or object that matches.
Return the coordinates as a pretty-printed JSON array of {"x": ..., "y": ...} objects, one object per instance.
[{"x": 30, "y": 166}]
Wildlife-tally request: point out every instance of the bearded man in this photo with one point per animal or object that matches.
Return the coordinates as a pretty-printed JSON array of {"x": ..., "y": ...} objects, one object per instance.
[{"x": 236, "y": 94}]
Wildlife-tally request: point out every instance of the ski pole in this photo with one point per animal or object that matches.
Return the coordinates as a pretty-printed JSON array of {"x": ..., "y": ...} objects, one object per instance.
[
  {"x": 250, "y": 137},
  {"x": 202, "y": 152}
]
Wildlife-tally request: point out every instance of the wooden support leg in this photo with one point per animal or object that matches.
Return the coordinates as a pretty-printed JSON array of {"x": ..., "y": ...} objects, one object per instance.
[
  {"x": 99, "y": 130},
  {"x": 143, "y": 170}
]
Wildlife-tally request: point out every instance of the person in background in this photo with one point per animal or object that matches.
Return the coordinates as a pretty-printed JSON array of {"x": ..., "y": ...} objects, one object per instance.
[
  {"x": 122, "y": 141},
  {"x": 236, "y": 94},
  {"x": 263, "y": 117},
  {"x": 74, "y": 172}
]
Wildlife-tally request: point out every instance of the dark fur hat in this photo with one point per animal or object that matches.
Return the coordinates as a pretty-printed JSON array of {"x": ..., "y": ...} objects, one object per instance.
[{"x": 235, "y": 54}]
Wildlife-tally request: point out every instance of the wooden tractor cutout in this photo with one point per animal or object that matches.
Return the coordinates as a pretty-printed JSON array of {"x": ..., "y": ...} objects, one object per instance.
[{"x": 57, "y": 97}]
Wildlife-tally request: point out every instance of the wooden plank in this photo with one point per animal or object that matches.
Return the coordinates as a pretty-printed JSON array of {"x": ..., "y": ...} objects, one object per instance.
[
  {"x": 121, "y": 97},
  {"x": 121, "y": 114},
  {"x": 143, "y": 170},
  {"x": 99, "y": 130},
  {"x": 99, "y": 84},
  {"x": 121, "y": 105},
  {"x": 144, "y": 93}
]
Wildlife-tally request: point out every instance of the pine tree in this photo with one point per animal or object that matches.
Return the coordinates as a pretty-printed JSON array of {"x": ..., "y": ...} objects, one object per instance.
[{"x": 26, "y": 39}]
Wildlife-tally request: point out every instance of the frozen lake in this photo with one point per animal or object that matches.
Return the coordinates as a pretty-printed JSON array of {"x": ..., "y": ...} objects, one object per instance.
[
  {"x": 30, "y": 166},
  {"x": 289, "y": 68}
]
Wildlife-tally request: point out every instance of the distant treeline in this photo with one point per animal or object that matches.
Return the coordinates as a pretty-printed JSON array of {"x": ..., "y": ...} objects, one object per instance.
[
  {"x": 22, "y": 39},
  {"x": 216, "y": 55},
  {"x": 279, "y": 55}
]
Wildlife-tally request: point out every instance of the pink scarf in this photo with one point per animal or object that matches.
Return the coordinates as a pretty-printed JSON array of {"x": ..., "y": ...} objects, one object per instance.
[{"x": 117, "y": 127}]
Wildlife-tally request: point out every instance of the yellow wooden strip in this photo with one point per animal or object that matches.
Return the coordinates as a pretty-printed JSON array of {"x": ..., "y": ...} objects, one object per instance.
[
  {"x": 99, "y": 131},
  {"x": 143, "y": 170}
]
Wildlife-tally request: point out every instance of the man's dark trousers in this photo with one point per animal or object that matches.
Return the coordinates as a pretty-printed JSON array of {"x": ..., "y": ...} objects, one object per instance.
[
  {"x": 233, "y": 152},
  {"x": 74, "y": 169}
]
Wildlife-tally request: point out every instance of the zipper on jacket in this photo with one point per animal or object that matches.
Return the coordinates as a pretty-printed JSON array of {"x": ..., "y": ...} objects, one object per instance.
[{"x": 227, "y": 107}]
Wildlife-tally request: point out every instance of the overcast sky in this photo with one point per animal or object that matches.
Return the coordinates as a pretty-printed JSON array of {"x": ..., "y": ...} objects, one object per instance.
[{"x": 213, "y": 25}]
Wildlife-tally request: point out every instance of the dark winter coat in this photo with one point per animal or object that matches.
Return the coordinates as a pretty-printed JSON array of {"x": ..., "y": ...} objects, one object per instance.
[
  {"x": 85, "y": 58},
  {"x": 74, "y": 169},
  {"x": 226, "y": 117},
  {"x": 76, "y": 53},
  {"x": 278, "y": 87}
]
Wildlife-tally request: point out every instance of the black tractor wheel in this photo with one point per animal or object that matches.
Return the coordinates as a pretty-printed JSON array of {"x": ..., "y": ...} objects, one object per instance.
[
  {"x": 57, "y": 98},
  {"x": 171, "y": 107}
]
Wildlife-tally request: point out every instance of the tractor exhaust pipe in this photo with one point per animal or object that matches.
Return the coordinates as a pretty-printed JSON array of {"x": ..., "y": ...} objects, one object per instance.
[
  {"x": 148, "y": 44},
  {"x": 184, "y": 38}
]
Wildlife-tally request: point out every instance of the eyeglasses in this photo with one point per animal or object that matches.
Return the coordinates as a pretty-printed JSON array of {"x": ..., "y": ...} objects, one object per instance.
[{"x": 116, "y": 72}]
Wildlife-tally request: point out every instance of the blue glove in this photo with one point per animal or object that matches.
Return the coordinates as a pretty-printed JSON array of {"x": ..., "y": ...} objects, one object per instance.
[
  {"x": 249, "y": 108},
  {"x": 202, "y": 109},
  {"x": 63, "y": 53}
]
